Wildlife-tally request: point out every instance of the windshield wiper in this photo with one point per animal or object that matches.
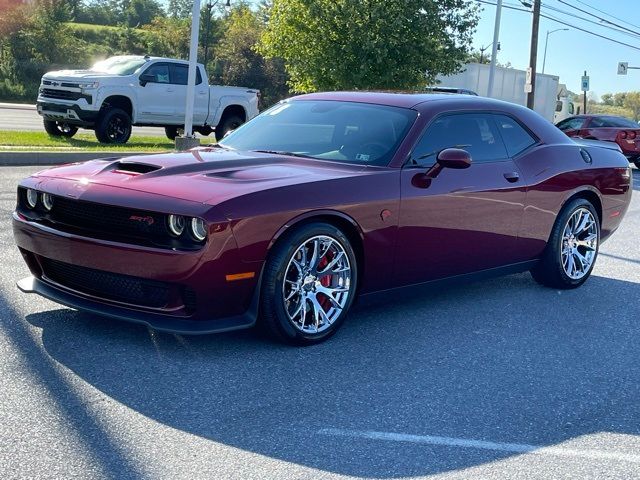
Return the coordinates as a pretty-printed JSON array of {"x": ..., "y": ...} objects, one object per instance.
[{"x": 282, "y": 152}]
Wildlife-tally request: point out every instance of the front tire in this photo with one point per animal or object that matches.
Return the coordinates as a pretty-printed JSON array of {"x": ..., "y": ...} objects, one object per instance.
[
  {"x": 227, "y": 123},
  {"x": 59, "y": 129},
  {"x": 114, "y": 126},
  {"x": 571, "y": 253},
  {"x": 309, "y": 284}
]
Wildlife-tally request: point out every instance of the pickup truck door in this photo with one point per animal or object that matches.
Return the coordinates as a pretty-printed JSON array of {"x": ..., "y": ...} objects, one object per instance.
[
  {"x": 179, "y": 77},
  {"x": 156, "y": 103}
]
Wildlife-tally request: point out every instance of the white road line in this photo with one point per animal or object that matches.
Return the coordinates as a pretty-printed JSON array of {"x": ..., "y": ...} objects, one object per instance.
[{"x": 484, "y": 445}]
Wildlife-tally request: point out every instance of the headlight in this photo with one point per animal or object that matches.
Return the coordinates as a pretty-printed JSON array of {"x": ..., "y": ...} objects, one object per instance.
[
  {"x": 176, "y": 224},
  {"x": 198, "y": 229},
  {"x": 32, "y": 198},
  {"x": 47, "y": 201},
  {"x": 89, "y": 86}
]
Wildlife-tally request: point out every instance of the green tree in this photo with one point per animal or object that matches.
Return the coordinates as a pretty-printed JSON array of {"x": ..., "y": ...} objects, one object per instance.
[
  {"x": 239, "y": 61},
  {"x": 180, "y": 8},
  {"x": 141, "y": 12},
  {"x": 356, "y": 44},
  {"x": 632, "y": 102},
  {"x": 618, "y": 99},
  {"x": 607, "y": 99},
  {"x": 169, "y": 37}
]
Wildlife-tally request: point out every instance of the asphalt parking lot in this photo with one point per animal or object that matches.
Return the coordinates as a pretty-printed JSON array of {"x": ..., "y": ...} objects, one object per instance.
[{"x": 497, "y": 379}]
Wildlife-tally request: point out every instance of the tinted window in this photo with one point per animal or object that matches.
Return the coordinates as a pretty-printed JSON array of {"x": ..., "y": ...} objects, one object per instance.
[
  {"x": 475, "y": 133},
  {"x": 570, "y": 124},
  {"x": 331, "y": 130},
  {"x": 612, "y": 122},
  {"x": 160, "y": 72},
  {"x": 180, "y": 74},
  {"x": 516, "y": 139}
]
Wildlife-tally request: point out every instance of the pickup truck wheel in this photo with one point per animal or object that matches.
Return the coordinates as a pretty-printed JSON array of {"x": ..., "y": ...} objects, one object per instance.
[
  {"x": 59, "y": 129},
  {"x": 114, "y": 126},
  {"x": 172, "y": 132},
  {"x": 227, "y": 123},
  {"x": 204, "y": 131}
]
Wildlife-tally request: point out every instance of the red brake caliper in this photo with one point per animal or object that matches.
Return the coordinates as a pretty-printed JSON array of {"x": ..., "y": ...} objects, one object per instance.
[{"x": 325, "y": 281}]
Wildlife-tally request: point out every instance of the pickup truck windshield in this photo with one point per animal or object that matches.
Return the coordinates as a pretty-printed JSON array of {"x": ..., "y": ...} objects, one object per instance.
[
  {"x": 119, "y": 65},
  {"x": 327, "y": 130}
]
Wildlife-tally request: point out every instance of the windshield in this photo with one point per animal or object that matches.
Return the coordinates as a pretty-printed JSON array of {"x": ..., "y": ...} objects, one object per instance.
[
  {"x": 327, "y": 130},
  {"x": 119, "y": 65}
]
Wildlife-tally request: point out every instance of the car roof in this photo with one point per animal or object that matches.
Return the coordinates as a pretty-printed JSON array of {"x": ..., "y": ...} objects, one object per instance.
[{"x": 418, "y": 101}]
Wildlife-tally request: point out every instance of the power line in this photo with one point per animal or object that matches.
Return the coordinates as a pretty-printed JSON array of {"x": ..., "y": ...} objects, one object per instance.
[
  {"x": 608, "y": 14},
  {"x": 573, "y": 15},
  {"x": 596, "y": 16},
  {"x": 565, "y": 23}
]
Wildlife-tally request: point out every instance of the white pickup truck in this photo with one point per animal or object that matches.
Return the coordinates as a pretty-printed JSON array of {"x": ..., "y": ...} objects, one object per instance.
[{"x": 133, "y": 90}]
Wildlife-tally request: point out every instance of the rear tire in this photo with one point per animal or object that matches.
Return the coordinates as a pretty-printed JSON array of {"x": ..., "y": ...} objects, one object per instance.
[
  {"x": 572, "y": 250},
  {"x": 59, "y": 129},
  {"x": 227, "y": 123},
  {"x": 305, "y": 270},
  {"x": 171, "y": 132},
  {"x": 113, "y": 126}
]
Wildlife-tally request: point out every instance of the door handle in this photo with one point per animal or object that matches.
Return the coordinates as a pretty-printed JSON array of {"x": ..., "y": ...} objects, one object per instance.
[
  {"x": 169, "y": 89},
  {"x": 512, "y": 177}
]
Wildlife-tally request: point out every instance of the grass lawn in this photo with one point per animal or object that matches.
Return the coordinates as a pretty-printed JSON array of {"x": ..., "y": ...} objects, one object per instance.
[{"x": 32, "y": 141}]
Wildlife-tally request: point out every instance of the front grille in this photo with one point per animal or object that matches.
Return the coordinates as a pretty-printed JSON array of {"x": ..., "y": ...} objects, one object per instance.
[
  {"x": 108, "y": 222},
  {"x": 63, "y": 84},
  {"x": 108, "y": 219},
  {"x": 63, "y": 94},
  {"x": 106, "y": 285}
]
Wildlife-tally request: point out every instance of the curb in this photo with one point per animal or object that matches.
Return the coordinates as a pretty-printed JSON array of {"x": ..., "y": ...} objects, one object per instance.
[
  {"x": 17, "y": 106},
  {"x": 56, "y": 158}
]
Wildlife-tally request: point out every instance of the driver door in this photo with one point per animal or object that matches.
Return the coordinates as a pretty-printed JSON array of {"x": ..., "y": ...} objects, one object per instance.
[
  {"x": 465, "y": 220},
  {"x": 156, "y": 102}
]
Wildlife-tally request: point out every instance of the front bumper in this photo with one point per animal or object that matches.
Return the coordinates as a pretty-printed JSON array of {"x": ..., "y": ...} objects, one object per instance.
[
  {"x": 219, "y": 306},
  {"x": 163, "y": 323},
  {"x": 69, "y": 113}
]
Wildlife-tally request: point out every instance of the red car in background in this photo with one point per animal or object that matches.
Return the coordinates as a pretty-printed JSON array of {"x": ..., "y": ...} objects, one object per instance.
[{"x": 624, "y": 132}]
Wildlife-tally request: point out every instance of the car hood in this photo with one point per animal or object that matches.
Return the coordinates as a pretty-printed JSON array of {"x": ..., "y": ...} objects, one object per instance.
[
  {"x": 68, "y": 75},
  {"x": 210, "y": 176}
]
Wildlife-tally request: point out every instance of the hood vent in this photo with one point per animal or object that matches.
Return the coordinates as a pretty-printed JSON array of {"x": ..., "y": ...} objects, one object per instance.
[{"x": 133, "y": 168}]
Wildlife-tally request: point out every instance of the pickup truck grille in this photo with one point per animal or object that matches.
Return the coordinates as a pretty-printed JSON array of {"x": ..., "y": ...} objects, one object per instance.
[
  {"x": 64, "y": 94},
  {"x": 63, "y": 84}
]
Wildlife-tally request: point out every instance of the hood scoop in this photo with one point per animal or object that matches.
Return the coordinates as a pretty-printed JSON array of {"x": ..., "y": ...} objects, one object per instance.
[{"x": 132, "y": 168}]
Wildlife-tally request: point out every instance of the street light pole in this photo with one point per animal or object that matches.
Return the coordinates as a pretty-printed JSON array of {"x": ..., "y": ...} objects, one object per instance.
[
  {"x": 544, "y": 58},
  {"x": 193, "y": 64},
  {"x": 494, "y": 50}
]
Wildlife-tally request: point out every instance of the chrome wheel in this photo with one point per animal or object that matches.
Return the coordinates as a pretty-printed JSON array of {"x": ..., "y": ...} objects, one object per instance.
[
  {"x": 579, "y": 244},
  {"x": 316, "y": 284}
]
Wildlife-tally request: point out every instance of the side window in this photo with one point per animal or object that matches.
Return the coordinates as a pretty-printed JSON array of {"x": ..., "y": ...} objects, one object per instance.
[
  {"x": 160, "y": 72},
  {"x": 516, "y": 139},
  {"x": 598, "y": 122},
  {"x": 180, "y": 74},
  {"x": 570, "y": 124},
  {"x": 473, "y": 132}
]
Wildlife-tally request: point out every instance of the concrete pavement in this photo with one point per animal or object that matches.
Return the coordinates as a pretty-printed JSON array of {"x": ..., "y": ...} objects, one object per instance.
[{"x": 496, "y": 379}]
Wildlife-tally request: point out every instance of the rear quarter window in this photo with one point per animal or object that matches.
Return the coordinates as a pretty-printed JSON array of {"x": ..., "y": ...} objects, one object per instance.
[{"x": 515, "y": 137}]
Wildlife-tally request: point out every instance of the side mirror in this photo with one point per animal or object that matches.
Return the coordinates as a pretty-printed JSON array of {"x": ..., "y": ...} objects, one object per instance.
[
  {"x": 146, "y": 78},
  {"x": 454, "y": 158}
]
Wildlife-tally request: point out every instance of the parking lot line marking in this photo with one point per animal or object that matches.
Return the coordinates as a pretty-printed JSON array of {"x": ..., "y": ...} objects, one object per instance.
[{"x": 483, "y": 445}]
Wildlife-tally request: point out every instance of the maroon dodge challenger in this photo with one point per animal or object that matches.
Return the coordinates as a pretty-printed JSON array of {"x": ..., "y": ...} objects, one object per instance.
[{"x": 320, "y": 198}]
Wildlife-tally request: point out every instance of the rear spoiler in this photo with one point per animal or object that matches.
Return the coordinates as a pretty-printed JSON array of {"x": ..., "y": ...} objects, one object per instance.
[{"x": 597, "y": 143}]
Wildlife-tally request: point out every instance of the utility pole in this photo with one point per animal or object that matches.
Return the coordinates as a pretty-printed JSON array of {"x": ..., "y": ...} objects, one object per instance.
[
  {"x": 494, "y": 51},
  {"x": 533, "y": 56},
  {"x": 584, "y": 94}
]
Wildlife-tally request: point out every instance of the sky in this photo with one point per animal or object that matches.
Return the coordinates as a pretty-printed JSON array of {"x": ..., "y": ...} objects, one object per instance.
[{"x": 571, "y": 52}]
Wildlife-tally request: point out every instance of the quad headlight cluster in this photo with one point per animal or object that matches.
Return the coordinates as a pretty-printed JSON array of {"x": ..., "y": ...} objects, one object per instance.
[
  {"x": 177, "y": 225},
  {"x": 34, "y": 197}
]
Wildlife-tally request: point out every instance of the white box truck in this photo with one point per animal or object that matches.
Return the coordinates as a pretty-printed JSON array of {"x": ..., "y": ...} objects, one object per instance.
[{"x": 508, "y": 86}]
